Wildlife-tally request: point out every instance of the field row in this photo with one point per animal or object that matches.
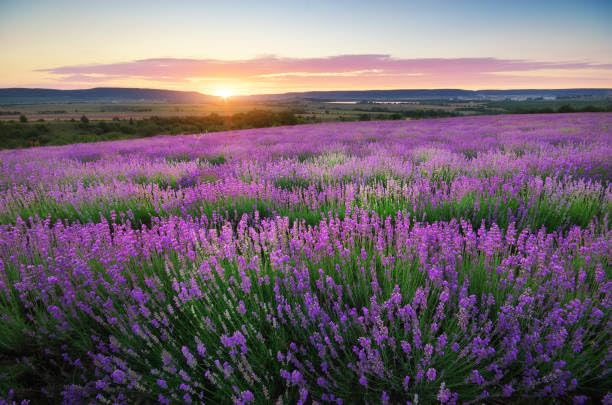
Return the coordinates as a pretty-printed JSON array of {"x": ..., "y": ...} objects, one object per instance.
[
  {"x": 453, "y": 260},
  {"x": 351, "y": 309}
]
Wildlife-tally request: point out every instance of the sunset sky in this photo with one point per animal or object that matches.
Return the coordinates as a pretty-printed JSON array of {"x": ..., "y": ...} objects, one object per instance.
[{"x": 249, "y": 47}]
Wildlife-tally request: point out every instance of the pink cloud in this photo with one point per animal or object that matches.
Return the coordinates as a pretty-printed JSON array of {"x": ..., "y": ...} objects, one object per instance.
[{"x": 361, "y": 70}]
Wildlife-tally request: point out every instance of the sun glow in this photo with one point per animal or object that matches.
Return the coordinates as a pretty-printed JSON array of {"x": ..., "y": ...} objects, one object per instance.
[{"x": 225, "y": 93}]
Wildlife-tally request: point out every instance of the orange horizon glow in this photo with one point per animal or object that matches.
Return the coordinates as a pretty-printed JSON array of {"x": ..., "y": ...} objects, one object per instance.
[{"x": 271, "y": 74}]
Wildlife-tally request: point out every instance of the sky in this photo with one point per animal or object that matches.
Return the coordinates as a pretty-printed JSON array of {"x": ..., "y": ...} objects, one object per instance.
[{"x": 253, "y": 47}]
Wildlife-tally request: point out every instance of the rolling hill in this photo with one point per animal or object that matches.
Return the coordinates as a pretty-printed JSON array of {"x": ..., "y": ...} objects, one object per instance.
[{"x": 117, "y": 94}]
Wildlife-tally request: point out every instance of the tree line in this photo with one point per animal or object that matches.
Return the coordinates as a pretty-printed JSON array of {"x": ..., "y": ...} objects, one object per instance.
[{"x": 40, "y": 133}]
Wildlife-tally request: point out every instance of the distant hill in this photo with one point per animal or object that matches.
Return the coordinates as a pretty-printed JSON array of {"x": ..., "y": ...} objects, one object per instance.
[
  {"x": 117, "y": 94},
  {"x": 437, "y": 94},
  {"x": 99, "y": 94}
]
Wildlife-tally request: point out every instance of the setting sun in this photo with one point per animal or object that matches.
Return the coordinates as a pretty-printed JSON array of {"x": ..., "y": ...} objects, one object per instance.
[{"x": 225, "y": 93}]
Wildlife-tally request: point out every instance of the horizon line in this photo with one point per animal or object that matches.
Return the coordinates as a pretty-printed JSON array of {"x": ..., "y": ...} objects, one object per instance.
[{"x": 312, "y": 91}]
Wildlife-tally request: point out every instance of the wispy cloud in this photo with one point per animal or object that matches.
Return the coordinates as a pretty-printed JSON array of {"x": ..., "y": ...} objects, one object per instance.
[{"x": 342, "y": 71}]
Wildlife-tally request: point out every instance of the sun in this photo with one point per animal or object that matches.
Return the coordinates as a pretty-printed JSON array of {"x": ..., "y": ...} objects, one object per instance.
[{"x": 225, "y": 93}]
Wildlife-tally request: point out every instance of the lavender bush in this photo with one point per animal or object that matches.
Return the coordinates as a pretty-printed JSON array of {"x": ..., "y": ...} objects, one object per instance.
[{"x": 453, "y": 261}]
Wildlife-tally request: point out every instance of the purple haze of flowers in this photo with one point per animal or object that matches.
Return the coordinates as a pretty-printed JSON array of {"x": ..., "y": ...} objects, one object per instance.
[{"x": 451, "y": 260}]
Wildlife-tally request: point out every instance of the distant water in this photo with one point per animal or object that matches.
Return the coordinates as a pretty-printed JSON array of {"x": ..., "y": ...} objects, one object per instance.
[{"x": 373, "y": 102}]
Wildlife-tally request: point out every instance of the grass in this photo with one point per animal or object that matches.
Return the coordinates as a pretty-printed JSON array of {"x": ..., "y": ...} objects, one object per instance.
[
  {"x": 291, "y": 183},
  {"x": 212, "y": 160},
  {"x": 527, "y": 211}
]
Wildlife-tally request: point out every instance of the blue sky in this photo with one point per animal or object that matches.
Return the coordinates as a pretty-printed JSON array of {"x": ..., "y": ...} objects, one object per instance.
[{"x": 36, "y": 37}]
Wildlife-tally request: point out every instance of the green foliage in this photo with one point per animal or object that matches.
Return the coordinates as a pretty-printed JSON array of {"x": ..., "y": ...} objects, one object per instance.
[
  {"x": 304, "y": 156},
  {"x": 290, "y": 183},
  {"x": 212, "y": 160},
  {"x": 18, "y": 135},
  {"x": 470, "y": 154},
  {"x": 162, "y": 181},
  {"x": 178, "y": 158}
]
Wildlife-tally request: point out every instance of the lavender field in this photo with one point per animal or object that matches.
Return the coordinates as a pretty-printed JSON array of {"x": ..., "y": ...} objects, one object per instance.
[{"x": 461, "y": 260}]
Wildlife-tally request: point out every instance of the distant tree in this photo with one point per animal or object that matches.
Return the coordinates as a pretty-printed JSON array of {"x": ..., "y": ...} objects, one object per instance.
[
  {"x": 84, "y": 120},
  {"x": 23, "y": 118},
  {"x": 566, "y": 108},
  {"x": 591, "y": 108}
]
